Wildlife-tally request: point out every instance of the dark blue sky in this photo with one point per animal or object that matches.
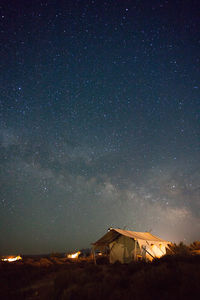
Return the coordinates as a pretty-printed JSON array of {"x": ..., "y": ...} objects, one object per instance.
[{"x": 100, "y": 121}]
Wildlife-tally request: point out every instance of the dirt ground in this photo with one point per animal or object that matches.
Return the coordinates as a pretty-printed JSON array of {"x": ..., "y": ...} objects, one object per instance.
[{"x": 171, "y": 277}]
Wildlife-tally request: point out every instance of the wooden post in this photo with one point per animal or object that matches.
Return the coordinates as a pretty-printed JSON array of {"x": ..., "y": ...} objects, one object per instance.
[
  {"x": 147, "y": 252},
  {"x": 93, "y": 253},
  {"x": 135, "y": 250}
]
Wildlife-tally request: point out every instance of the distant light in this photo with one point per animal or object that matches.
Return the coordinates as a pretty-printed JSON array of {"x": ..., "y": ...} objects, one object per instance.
[
  {"x": 11, "y": 259},
  {"x": 74, "y": 255}
]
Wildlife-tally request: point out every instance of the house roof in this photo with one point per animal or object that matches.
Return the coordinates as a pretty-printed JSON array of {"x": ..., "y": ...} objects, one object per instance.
[{"x": 141, "y": 237}]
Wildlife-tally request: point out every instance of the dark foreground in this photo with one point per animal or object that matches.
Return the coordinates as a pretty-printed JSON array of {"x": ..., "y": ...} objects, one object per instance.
[{"x": 171, "y": 277}]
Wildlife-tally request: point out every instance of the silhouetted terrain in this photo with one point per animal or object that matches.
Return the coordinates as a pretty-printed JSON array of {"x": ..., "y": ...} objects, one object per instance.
[{"x": 171, "y": 277}]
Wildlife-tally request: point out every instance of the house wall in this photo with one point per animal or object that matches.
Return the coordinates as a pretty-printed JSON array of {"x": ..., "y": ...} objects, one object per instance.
[
  {"x": 156, "y": 251},
  {"x": 122, "y": 250}
]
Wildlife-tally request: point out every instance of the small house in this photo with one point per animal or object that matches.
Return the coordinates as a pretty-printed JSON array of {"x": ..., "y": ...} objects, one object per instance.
[{"x": 126, "y": 246}]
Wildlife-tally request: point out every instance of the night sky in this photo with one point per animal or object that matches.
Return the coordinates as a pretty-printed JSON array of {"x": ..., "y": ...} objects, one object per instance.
[{"x": 100, "y": 121}]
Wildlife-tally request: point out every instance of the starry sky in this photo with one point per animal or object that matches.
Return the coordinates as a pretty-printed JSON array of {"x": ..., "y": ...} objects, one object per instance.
[{"x": 100, "y": 121}]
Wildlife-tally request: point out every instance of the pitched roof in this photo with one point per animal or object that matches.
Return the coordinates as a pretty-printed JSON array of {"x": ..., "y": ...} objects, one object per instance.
[
  {"x": 113, "y": 233},
  {"x": 147, "y": 236}
]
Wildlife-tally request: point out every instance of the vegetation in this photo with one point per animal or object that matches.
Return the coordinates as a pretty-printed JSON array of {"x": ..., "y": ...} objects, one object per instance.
[
  {"x": 195, "y": 245},
  {"x": 183, "y": 249},
  {"x": 171, "y": 277}
]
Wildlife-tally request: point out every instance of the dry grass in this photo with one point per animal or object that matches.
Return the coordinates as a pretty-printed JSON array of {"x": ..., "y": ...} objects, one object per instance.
[{"x": 171, "y": 277}]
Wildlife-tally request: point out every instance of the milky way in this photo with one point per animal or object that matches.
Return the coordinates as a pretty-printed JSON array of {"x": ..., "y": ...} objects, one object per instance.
[{"x": 100, "y": 122}]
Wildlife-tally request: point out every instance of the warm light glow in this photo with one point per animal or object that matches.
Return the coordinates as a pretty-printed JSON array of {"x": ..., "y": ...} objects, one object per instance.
[
  {"x": 11, "y": 259},
  {"x": 74, "y": 255},
  {"x": 158, "y": 251}
]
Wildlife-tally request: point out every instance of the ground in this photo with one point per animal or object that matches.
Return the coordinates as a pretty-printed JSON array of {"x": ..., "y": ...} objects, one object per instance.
[{"x": 171, "y": 277}]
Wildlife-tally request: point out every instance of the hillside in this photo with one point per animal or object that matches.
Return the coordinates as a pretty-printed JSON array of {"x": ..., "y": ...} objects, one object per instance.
[{"x": 171, "y": 277}]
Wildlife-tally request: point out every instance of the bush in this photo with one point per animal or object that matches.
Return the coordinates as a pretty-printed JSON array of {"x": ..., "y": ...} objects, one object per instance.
[
  {"x": 195, "y": 245},
  {"x": 180, "y": 249},
  {"x": 170, "y": 277}
]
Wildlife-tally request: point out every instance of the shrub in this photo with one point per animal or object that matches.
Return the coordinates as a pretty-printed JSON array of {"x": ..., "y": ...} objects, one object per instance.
[
  {"x": 180, "y": 249},
  {"x": 195, "y": 245}
]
